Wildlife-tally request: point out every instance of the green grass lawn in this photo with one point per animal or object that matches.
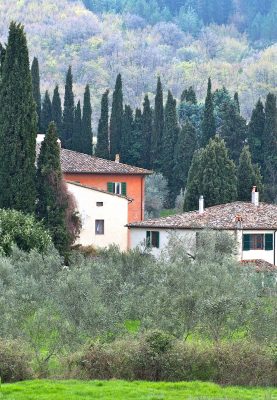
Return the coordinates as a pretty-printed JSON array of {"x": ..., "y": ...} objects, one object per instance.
[{"x": 121, "y": 390}]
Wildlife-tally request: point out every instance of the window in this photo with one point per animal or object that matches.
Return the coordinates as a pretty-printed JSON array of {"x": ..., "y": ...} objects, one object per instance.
[
  {"x": 153, "y": 239},
  {"x": 258, "y": 241},
  {"x": 99, "y": 227},
  {"x": 99, "y": 204},
  {"x": 117, "y": 188}
]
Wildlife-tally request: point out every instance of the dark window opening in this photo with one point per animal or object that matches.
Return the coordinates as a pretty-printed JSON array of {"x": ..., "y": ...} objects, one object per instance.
[
  {"x": 153, "y": 239},
  {"x": 99, "y": 203},
  {"x": 99, "y": 227}
]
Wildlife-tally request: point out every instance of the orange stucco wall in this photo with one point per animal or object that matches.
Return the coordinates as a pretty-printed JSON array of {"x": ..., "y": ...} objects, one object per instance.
[{"x": 135, "y": 189}]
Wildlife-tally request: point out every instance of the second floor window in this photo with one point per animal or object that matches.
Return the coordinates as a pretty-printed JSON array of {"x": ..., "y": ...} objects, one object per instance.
[{"x": 117, "y": 188}]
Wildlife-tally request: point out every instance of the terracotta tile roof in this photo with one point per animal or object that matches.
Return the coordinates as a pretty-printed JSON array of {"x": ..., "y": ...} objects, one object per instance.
[
  {"x": 261, "y": 265},
  {"x": 99, "y": 190},
  {"x": 73, "y": 162},
  {"x": 224, "y": 216}
]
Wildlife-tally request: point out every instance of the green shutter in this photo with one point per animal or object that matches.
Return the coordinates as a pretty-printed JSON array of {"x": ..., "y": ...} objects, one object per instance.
[
  {"x": 148, "y": 239},
  {"x": 246, "y": 242},
  {"x": 124, "y": 188},
  {"x": 158, "y": 240},
  {"x": 110, "y": 187},
  {"x": 268, "y": 241}
]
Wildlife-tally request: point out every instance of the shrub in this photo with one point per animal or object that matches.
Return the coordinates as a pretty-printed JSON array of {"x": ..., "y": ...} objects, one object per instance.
[{"x": 14, "y": 362}]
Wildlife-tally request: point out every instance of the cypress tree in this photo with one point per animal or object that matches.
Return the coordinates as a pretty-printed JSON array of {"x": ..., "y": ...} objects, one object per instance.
[
  {"x": 57, "y": 111},
  {"x": 248, "y": 176},
  {"x": 255, "y": 133},
  {"x": 2, "y": 57},
  {"x": 77, "y": 133},
  {"x": 189, "y": 96},
  {"x": 208, "y": 123},
  {"x": 194, "y": 182},
  {"x": 147, "y": 127},
  {"x": 135, "y": 153},
  {"x": 236, "y": 100},
  {"x": 158, "y": 127},
  {"x": 127, "y": 133},
  {"x": 36, "y": 88},
  {"x": 18, "y": 126},
  {"x": 116, "y": 119},
  {"x": 68, "y": 112},
  {"x": 102, "y": 148},
  {"x": 86, "y": 123},
  {"x": 233, "y": 130},
  {"x": 170, "y": 137},
  {"x": 52, "y": 199},
  {"x": 184, "y": 151},
  {"x": 46, "y": 113}
]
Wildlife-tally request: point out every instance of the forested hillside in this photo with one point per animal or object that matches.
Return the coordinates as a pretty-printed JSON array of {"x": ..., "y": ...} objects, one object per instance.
[{"x": 99, "y": 45}]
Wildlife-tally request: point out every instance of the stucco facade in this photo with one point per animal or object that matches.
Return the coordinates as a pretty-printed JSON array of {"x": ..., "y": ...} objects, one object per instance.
[{"x": 112, "y": 212}]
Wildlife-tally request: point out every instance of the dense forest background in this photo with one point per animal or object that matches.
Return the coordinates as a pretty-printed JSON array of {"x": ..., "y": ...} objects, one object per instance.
[{"x": 182, "y": 41}]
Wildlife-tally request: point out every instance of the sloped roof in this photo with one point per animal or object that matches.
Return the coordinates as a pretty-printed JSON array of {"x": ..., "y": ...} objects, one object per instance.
[
  {"x": 99, "y": 190},
  {"x": 74, "y": 162},
  {"x": 224, "y": 216}
]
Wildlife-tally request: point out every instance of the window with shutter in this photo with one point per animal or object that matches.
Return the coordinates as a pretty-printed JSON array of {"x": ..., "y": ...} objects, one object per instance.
[
  {"x": 110, "y": 187},
  {"x": 153, "y": 239},
  {"x": 246, "y": 242},
  {"x": 268, "y": 241},
  {"x": 124, "y": 188}
]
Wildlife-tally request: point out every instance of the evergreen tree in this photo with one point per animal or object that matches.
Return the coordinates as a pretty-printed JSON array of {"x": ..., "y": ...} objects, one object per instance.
[
  {"x": 2, "y": 58},
  {"x": 236, "y": 100},
  {"x": 208, "y": 123},
  {"x": 184, "y": 151},
  {"x": 170, "y": 137},
  {"x": 127, "y": 133},
  {"x": 52, "y": 201},
  {"x": 102, "y": 148},
  {"x": 147, "y": 127},
  {"x": 248, "y": 176},
  {"x": 57, "y": 111},
  {"x": 68, "y": 112},
  {"x": 189, "y": 96},
  {"x": 135, "y": 153},
  {"x": 46, "y": 113},
  {"x": 36, "y": 88},
  {"x": 86, "y": 124},
  {"x": 116, "y": 119},
  {"x": 158, "y": 127},
  {"x": 233, "y": 130},
  {"x": 18, "y": 126},
  {"x": 270, "y": 147},
  {"x": 213, "y": 175},
  {"x": 77, "y": 133},
  {"x": 256, "y": 132}
]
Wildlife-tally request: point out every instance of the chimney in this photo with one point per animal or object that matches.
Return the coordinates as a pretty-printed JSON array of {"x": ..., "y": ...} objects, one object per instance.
[
  {"x": 201, "y": 205},
  {"x": 117, "y": 158},
  {"x": 255, "y": 196}
]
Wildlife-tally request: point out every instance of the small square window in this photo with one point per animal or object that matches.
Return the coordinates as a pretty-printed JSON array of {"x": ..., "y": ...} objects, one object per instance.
[
  {"x": 99, "y": 227},
  {"x": 153, "y": 239},
  {"x": 99, "y": 204}
]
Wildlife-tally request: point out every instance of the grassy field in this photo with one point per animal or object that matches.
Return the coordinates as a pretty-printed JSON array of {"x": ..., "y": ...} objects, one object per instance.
[{"x": 121, "y": 390}]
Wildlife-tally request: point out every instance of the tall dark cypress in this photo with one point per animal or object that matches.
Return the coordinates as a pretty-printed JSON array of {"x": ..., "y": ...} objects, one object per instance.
[
  {"x": 57, "y": 111},
  {"x": 18, "y": 126},
  {"x": 86, "y": 123},
  {"x": 189, "y": 96},
  {"x": 36, "y": 88},
  {"x": 236, "y": 100},
  {"x": 208, "y": 123},
  {"x": 102, "y": 147},
  {"x": 46, "y": 113},
  {"x": 248, "y": 176},
  {"x": 170, "y": 137},
  {"x": 2, "y": 57},
  {"x": 158, "y": 127},
  {"x": 147, "y": 129},
  {"x": 116, "y": 119},
  {"x": 68, "y": 112},
  {"x": 77, "y": 132},
  {"x": 127, "y": 133},
  {"x": 255, "y": 133}
]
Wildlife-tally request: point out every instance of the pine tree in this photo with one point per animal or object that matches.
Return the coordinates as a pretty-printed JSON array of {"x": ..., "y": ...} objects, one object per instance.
[
  {"x": 68, "y": 112},
  {"x": 86, "y": 123},
  {"x": 102, "y": 148},
  {"x": 208, "y": 123},
  {"x": 52, "y": 200},
  {"x": 158, "y": 127},
  {"x": 18, "y": 126},
  {"x": 189, "y": 96},
  {"x": 170, "y": 137},
  {"x": 46, "y": 113},
  {"x": 147, "y": 128},
  {"x": 255, "y": 133},
  {"x": 270, "y": 147},
  {"x": 36, "y": 88},
  {"x": 248, "y": 176},
  {"x": 116, "y": 119},
  {"x": 236, "y": 100},
  {"x": 127, "y": 133},
  {"x": 57, "y": 111},
  {"x": 184, "y": 151},
  {"x": 77, "y": 133},
  {"x": 233, "y": 130},
  {"x": 213, "y": 175}
]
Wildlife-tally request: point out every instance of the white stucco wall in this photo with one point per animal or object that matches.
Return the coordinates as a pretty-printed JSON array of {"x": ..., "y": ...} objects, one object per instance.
[
  {"x": 114, "y": 213},
  {"x": 267, "y": 255}
]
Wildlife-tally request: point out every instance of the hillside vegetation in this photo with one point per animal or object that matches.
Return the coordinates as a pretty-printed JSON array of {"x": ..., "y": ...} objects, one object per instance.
[{"x": 98, "y": 46}]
